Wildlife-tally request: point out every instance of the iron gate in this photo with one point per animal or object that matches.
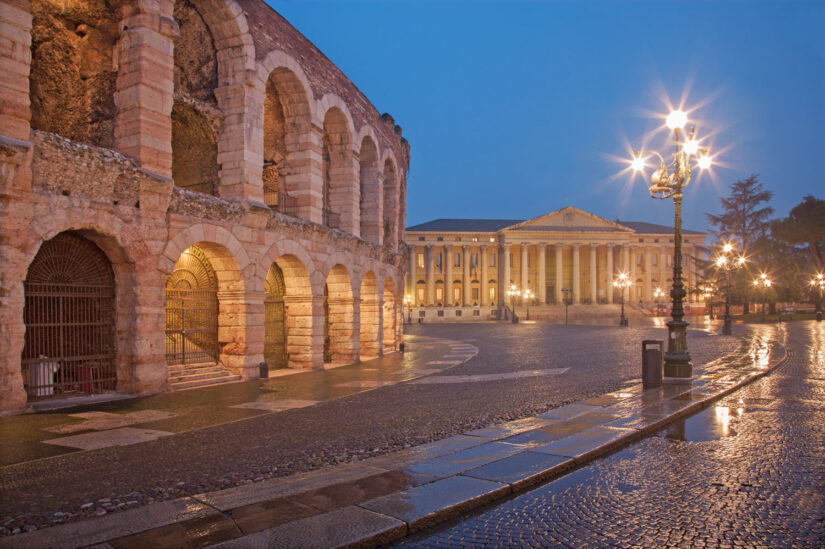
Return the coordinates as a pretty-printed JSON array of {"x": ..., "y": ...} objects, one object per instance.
[
  {"x": 191, "y": 326},
  {"x": 69, "y": 313},
  {"x": 275, "y": 319}
]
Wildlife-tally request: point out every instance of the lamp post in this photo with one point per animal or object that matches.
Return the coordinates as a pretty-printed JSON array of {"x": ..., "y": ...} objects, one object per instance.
[
  {"x": 710, "y": 290},
  {"x": 567, "y": 293},
  {"x": 763, "y": 283},
  {"x": 726, "y": 262},
  {"x": 513, "y": 292},
  {"x": 528, "y": 295},
  {"x": 408, "y": 301},
  {"x": 667, "y": 181},
  {"x": 622, "y": 282},
  {"x": 818, "y": 285}
]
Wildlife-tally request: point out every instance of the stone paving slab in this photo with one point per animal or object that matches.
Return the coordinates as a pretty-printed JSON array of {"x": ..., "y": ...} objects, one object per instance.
[
  {"x": 113, "y": 437},
  {"x": 276, "y": 405},
  {"x": 384, "y": 498}
]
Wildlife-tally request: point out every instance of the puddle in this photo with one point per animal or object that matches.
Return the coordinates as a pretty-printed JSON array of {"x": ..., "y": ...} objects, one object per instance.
[{"x": 714, "y": 423}]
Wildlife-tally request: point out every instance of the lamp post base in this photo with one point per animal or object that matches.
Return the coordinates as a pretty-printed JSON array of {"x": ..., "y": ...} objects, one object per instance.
[
  {"x": 726, "y": 329},
  {"x": 623, "y": 321},
  {"x": 678, "y": 366}
]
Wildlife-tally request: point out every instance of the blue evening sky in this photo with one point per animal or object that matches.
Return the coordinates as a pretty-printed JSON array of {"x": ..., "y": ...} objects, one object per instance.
[{"x": 514, "y": 109}]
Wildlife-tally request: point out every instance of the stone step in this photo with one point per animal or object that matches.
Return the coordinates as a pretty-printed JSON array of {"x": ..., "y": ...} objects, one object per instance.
[
  {"x": 204, "y": 373},
  {"x": 188, "y": 371},
  {"x": 192, "y": 366},
  {"x": 206, "y": 382}
]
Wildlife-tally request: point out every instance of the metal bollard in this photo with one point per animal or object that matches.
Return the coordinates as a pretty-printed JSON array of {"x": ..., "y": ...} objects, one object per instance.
[{"x": 652, "y": 362}]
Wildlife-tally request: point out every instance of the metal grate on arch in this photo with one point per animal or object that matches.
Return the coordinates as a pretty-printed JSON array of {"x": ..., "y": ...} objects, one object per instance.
[
  {"x": 275, "y": 319},
  {"x": 192, "y": 310},
  {"x": 69, "y": 315}
]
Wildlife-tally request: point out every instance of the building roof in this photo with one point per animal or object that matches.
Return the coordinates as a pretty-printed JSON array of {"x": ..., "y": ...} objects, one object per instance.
[
  {"x": 653, "y": 228},
  {"x": 494, "y": 225},
  {"x": 465, "y": 225}
]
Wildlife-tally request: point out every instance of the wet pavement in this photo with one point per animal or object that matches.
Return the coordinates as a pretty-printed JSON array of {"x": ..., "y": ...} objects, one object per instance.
[
  {"x": 746, "y": 472},
  {"x": 208, "y": 449}
]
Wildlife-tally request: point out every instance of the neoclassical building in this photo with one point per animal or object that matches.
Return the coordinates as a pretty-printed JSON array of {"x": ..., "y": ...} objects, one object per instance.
[
  {"x": 188, "y": 189},
  {"x": 463, "y": 267}
]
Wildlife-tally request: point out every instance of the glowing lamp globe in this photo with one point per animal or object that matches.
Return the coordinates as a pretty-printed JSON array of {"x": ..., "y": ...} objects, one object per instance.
[
  {"x": 676, "y": 120},
  {"x": 704, "y": 162},
  {"x": 691, "y": 146}
]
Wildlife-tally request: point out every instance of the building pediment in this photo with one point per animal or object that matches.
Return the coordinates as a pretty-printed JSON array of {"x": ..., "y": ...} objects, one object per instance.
[{"x": 570, "y": 219}]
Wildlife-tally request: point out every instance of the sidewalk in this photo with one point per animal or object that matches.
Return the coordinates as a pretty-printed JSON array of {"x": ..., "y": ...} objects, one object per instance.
[{"x": 384, "y": 498}]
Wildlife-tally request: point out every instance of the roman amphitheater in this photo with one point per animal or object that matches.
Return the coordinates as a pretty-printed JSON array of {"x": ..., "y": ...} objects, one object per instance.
[{"x": 189, "y": 189}]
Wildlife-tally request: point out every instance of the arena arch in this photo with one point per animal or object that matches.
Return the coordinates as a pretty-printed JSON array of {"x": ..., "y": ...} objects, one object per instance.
[
  {"x": 370, "y": 333},
  {"x": 288, "y": 315},
  {"x": 340, "y": 331},
  {"x": 390, "y": 213},
  {"x": 339, "y": 188},
  {"x": 370, "y": 192},
  {"x": 389, "y": 316}
]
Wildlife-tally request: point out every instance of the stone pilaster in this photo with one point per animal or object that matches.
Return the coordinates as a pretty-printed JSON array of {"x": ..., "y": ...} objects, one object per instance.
[
  {"x": 647, "y": 294},
  {"x": 484, "y": 297},
  {"x": 577, "y": 286},
  {"x": 594, "y": 296},
  {"x": 542, "y": 283},
  {"x": 466, "y": 278},
  {"x": 608, "y": 281},
  {"x": 428, "y": 260},
  {"x": 305, "y": 318},
  {"x": 559, "y": 273},
  {"x": 447, "y": 262},
  {"x": 523, "y": 270}
]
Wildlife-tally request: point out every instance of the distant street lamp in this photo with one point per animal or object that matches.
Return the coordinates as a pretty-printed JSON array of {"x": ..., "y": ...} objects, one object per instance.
[
  {"x": 657, "y": 295},
  {"x": 528, "y": 295},
  {"x": 513, "y": 292},
  {"x": 763, "y": 283},
  {"x": 710, "y": 291},
  {"x": 727, "y": 263},
  {"x": 818, "y": 285},
  {"x": 567, "y": 301},
  {"x": 622, "y": 282},
  {"x": 408, "y": 301},
  {"x": 667, "y": 181}
]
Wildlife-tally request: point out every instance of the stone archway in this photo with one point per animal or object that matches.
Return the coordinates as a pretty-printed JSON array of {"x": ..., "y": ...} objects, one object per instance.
[
  {"x": 69, "y": 315},
  {"x": 370, "y": 309},
  {"x": 339, "y": 317},
  {"x": 340, "y": 207},
  {"x": 389, "y": 316},
  {"x": 288, "y": 314},
  {"x": 370, "y": 192}
]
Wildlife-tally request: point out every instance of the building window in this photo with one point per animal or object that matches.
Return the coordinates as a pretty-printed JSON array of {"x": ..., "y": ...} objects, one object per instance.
[
  {"x": 457, "y": 261},
  {"x": 474, "y": 261},
  {"x": 639, "y": 259},
  {"x": 420, "y": 260},
  {"x": 492, "y": 260},
  {"x": 475, "y": 239},
  {"x": 421, "y": 238},
  {"x": 439, "y": 294},
  {"x": 492, "y": 239},
  {"x": 670, "y": 260},
  {"x": 457, "y": 295},
  {"x": 458, "y": 312},
  {"x": 492, "y": 295},
  {"x": 655, "y": 260},
  {"x": 420, "y": 295},
  {"x": 476, "y": 313},
  {"x": 440, "y": 313},
  {"x": 440, "y": 239},
  {"x": 438, "y": 260},
  {"x": 475, "y": 293}
]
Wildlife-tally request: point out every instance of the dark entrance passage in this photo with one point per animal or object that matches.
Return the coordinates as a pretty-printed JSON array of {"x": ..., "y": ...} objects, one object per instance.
[
  {"x": 275, "y": 319},
  {"x": 70, "y": 320}
]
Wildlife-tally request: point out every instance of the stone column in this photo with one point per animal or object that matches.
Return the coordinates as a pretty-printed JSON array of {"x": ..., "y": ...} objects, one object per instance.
[
  {"x": 626, "y": 259},
  {"x": 428, "y": 260},
  {"x": 525, "y": 273},
  {"x": 344, "y": 326},
  {"x": 542, "y": 284},
  {"x": 447, "y": 262},
  {"x": 608, "y": 281},
  {"x": 577, "y": 296},
  {"x": 593, "y": 282},
  {"x": 300, "y": 331},
  {"x": 559, "y": 273},
  {"x": 631, "y": 292},
  {"x": 317, "y": 303},
  {"x": 504, "y": 269},
  {"x": 145, "y": 84},
  {"x": 647, "y": 293},
  {"x": 466, "y": 278},
  {"x": 412, "y": 287},
  {"x": 482, "y": 256}
]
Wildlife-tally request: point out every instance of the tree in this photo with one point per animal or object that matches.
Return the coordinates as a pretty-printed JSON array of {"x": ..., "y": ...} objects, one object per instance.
[
  {"x": 805, "y": 225},
  {"x": 746, "y": 221}
]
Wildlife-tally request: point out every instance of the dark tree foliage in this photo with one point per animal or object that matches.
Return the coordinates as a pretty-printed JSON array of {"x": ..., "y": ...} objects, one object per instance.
[
  {"x": 744, "y": 218},
  {"x": 805, "y": 226}
]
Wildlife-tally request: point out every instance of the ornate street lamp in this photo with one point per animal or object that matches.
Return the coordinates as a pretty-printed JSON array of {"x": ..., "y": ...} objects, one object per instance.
[
  {"x": 667, "y": 181},
  {"x": 763, "y": 283},
  {"x": 513, "y": 292},
  {"x": 568, "y": 292},
  {"x": 622, "y": 282},
  {"x": 528, "y": 295},
  {"x": 728, "y": 263},
  {"x": 408, "y": 301},
  {"x": 818, "y": 285}
]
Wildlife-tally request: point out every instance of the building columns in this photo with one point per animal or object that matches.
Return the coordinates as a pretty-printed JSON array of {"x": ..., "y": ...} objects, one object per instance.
[
  {"x": 428, "y": 260},
  {"x": 647, "y": 293},
  {"x": 483, "y": 298},
  {"x": 542, "y": 285},
  {"x": 608, "y": 281},
  {"x": 447, "y": 262},
  {"x": 577, "y": 295},
  {"x": 504, "y": 269},
  {"x": 593, "y": 281},
  {"x": 465, "y": 286},
  {"x": 411, "y": 291},
  {"x": 525, "y": 281},
  {"x": 559, "y": 272}
]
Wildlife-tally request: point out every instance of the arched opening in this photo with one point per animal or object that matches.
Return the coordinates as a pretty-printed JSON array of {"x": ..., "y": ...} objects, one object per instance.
[
  {"x": 389, "y": 316},
  {"x": 337, "y": 180},
  {"x": 390, "y": 205},
  {"x": 275, "y": 354},
  {"x": 192, "y": 310},
  {"x": 196, "y": 119},
  {"x": 339, "y": 317},
  {"x": 73, "y": 70},
  {"x": 69, "y": 314},
  {"x": 369, "y": 192},
  {"x": 288, "y": 315},
  {"x": 370, "y": 304}
]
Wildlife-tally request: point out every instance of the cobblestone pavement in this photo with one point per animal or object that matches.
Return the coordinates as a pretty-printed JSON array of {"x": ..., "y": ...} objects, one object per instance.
[
  {"x": 348, "y": 428},
  {"x": 747, "y": 472}
]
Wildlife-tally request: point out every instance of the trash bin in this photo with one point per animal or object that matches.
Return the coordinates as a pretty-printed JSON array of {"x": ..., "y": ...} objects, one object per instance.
[
  {"x": 40, "y": 377},
  {"x": 264, "y": 370},
  {"x": 652, "y": 362}
]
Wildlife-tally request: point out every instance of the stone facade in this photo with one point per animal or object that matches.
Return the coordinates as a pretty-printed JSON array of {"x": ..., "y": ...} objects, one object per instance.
[
  {"x": 463, "y": 267},
  {"x": 166, "y": 130}
]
